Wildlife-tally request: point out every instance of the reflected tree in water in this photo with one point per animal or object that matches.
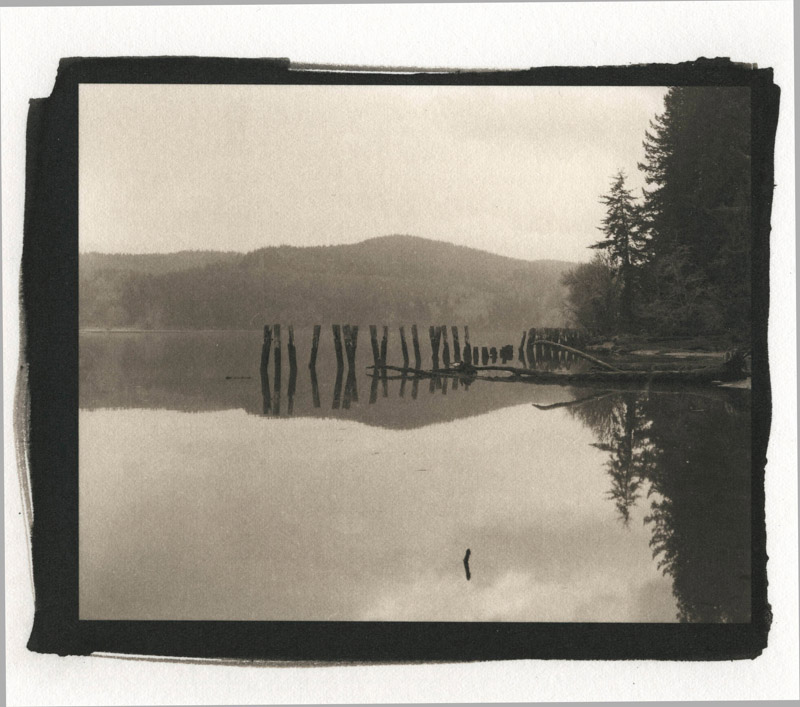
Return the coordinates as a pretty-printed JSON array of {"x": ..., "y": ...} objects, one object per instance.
[
  {"x": 690, "y": 454},
  {"x": 623, "y": 431}
]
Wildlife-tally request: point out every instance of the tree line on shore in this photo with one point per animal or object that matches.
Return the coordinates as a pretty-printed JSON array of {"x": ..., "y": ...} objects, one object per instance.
[{"x": 676, "y": 261}]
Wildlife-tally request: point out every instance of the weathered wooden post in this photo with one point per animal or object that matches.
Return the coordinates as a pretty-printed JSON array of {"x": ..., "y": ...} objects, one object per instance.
[
  {"x": 265, "y": 350},
  {"x": 290, "y": 347},
  {"x": 456, "y": 345},
  {"x": 276, "y": 331},
  {"x": 292, "y": 351},
  {"x": 468, "y": 354},
  {"x": 404, "y": 348},
  {"x": 337, "y": 345},
  {"x": 384, "y": 383},
  {"x": 384, "y": 345},
  {"x": 493, "y": 354},
  {"x": 444, "y": 385},
  {"x": 521, "y": 352},
  {"x": 434, "y": 334},
  {"x": 415, "y": 342},
  {"x": 414, "y": 387},
  {"x": 403, "y": 380},
  {"x": 373, "y": 339},
  {"x": 475, "y": 355},
  {"x": 484, "y": 355},
  {"x": 314, "y": 346},
  {"x": 445, "y": 346},
  {"x": 531, "y": 348}
]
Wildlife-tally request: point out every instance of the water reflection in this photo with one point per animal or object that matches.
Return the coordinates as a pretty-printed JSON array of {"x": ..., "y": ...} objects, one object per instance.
[
  {"x": 687, "y": 456},
  {"x": 558, "y": 504}
]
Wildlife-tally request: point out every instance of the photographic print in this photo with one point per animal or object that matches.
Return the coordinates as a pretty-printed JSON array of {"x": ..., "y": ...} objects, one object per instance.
[{"x": 400, "y": 366}]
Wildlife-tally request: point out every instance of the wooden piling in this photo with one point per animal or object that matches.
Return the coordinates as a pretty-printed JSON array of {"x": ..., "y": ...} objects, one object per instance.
[
  {"x": 493, "y": 354},
  {"x": 384, "y": 345},
  {"x": 434, "y": 334},
  {"x": 373, "y": 339},
  {"x": 404, "y": 346},
  {"x": 521, "y": 352},
  {"x": 475, "y": 355},
  {"x": 265, "y": 350},
  {"x": 456, "y": 345},
  {"x": 530, "y": 350},
  {"x": 292, "y": 351},
  {"x": 276, "y": 333},
  {"x": 266, "y": 396},
  {"x": 314, "y": 346},
  {"x": 485, "y": 355},
  {"x": 337, "y": 345},
  {"x": 468, "y": 354},
  {"x": 466, "y": 335},
  {"x": 415, "y": 343},
  {"x": 445, "y": 347}
]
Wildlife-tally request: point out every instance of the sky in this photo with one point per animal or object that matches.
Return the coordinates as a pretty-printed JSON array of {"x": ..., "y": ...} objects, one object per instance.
[{"x": 514, "y": 170}]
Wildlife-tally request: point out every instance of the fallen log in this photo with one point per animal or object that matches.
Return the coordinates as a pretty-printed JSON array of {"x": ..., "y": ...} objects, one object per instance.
[
  {"x": 728, "y": 371},
  {"x": 577, "y": 352}
]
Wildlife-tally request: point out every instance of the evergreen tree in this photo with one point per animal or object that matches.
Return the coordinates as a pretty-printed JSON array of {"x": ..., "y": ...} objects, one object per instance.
[
  {"x": 697, "y": 212},
  {"x": 623, "y": 242}
]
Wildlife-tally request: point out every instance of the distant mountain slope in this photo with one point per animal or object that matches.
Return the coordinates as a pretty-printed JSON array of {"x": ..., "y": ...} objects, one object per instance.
[{"x": 388, "y": 280}]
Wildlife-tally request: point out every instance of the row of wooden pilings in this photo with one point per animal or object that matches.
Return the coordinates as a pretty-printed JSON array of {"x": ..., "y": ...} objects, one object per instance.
[
  {"x": 531, "y": 352},
  {"x": 532, "y": 348}
]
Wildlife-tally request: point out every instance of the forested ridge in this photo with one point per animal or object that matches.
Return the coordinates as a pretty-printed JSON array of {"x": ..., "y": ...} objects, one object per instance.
[
  {"x": 676, "y": 260},
  {"x": 387, "y": 280}
]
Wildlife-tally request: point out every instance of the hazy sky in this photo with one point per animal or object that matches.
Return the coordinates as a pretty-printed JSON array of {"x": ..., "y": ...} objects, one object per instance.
[{"x": 512, "y": 170}]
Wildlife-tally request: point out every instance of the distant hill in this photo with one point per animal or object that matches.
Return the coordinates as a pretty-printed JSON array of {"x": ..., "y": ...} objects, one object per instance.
[{"x": 387, "y": 280}]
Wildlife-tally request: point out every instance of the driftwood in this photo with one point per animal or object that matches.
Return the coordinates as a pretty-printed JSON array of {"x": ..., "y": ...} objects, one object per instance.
[
  {"x": 577, "y": 352},
  {"x": 573, "y": 403},
  {"x": 728, "y": 371}
]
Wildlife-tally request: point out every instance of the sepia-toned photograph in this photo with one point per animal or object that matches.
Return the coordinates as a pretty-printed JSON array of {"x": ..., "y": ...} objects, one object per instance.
[
  {"x": 399, "y": 353},
  {"x": 415, "y": 353}
]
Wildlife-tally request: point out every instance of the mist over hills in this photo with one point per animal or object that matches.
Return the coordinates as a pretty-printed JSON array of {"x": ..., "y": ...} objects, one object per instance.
[{"x": 387, "y": 280}]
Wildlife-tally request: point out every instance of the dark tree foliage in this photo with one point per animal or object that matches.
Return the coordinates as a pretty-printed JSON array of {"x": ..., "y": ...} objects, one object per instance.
[
  {"x": 623, "y": 242},
  {"x": 697, "y": 213},
  {"x": 682, "y": 256},
  {"x": 592, "y": 295}
]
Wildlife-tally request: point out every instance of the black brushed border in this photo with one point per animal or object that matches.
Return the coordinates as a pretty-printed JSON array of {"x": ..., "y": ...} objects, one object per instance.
[{"x": 49, "y": 299}]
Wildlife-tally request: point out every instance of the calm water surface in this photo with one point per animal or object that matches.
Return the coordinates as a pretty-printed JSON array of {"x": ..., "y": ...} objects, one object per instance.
[{"x": 205, "y": 496}]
